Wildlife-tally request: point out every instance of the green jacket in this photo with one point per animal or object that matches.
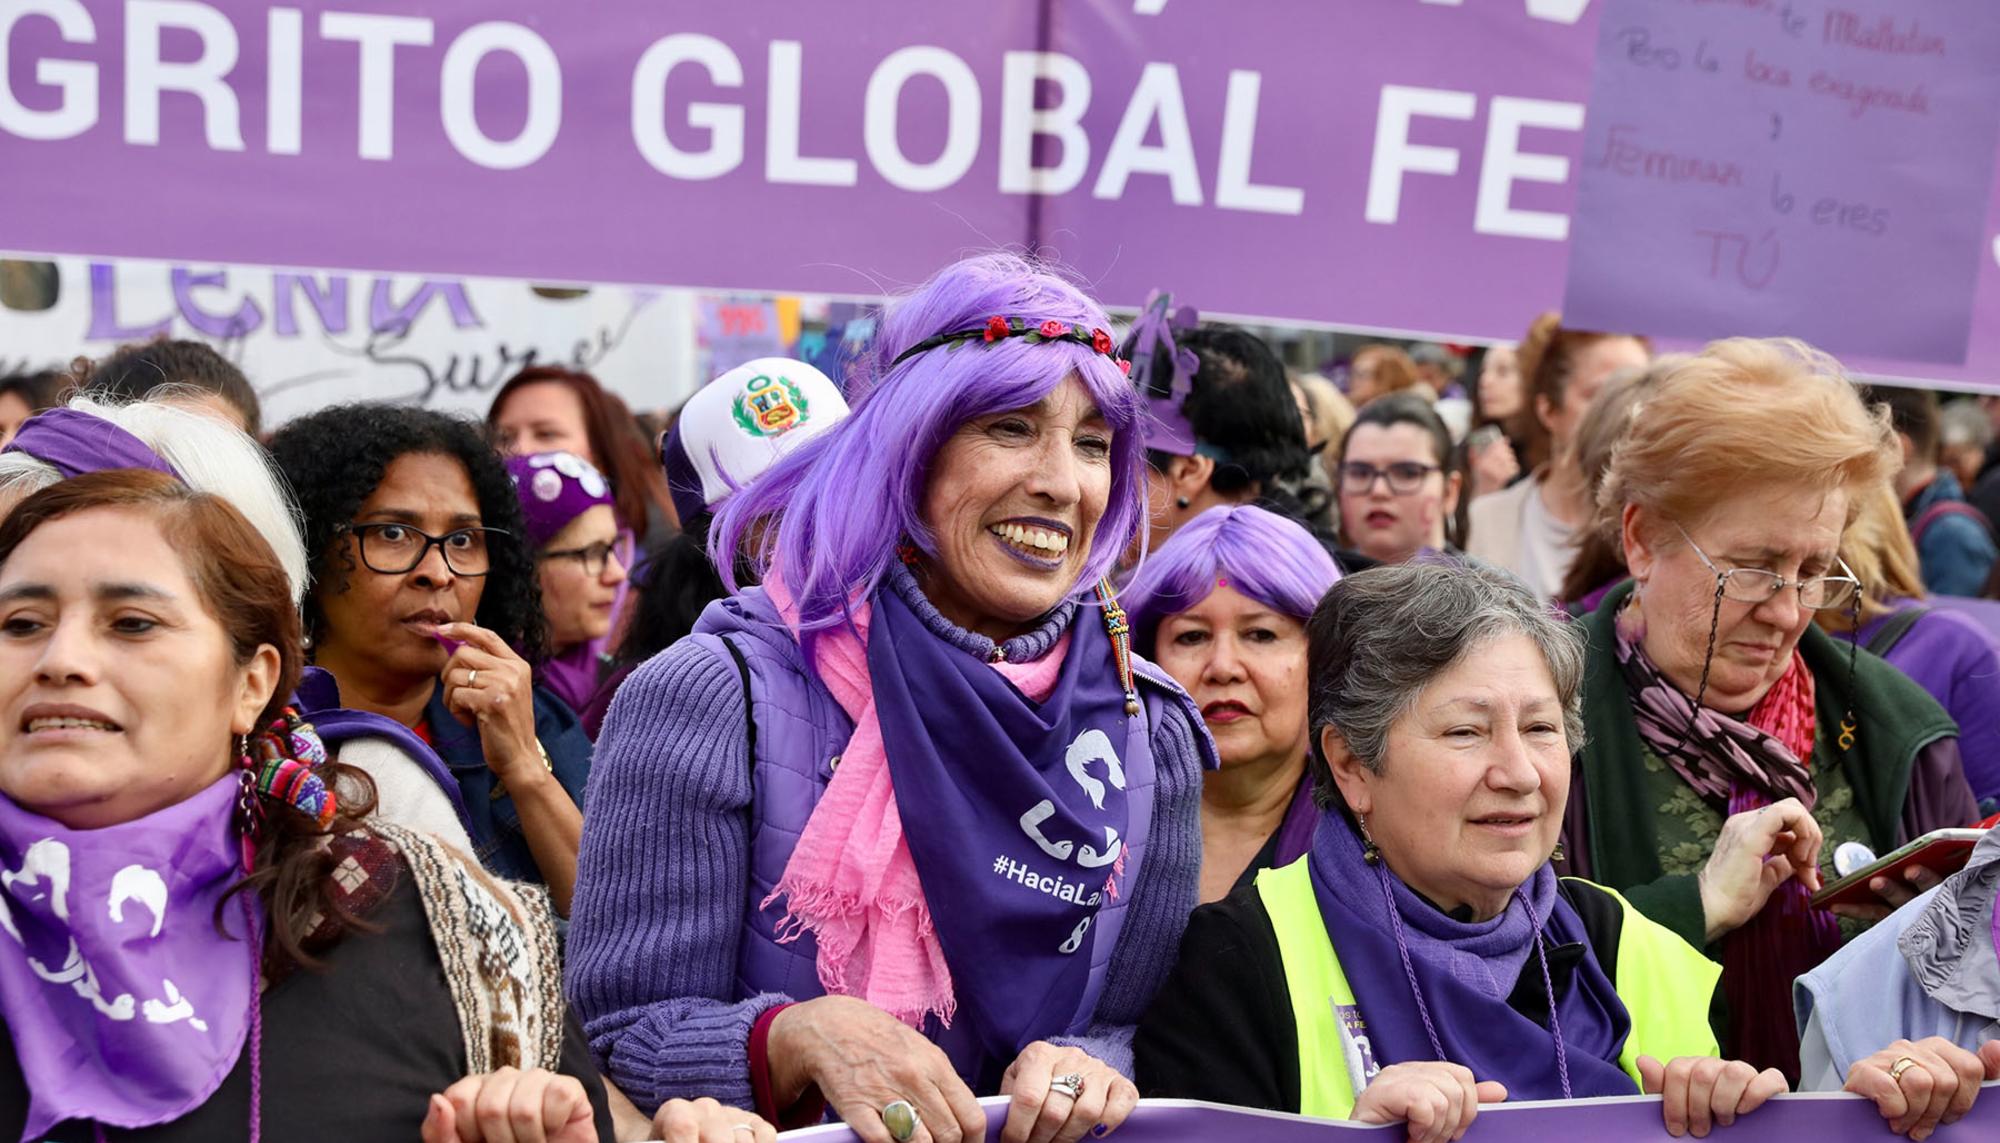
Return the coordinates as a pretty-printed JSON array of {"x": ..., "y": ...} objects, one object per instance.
[{"x": 1896, "y": 721}]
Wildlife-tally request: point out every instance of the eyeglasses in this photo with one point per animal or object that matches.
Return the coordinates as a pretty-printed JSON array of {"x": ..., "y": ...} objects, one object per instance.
[
  {"x": 596, "y": 557},
  {"x": 1755, "y": 585},
  {"x": 1358, "y": 477},
  {"x": 394, "y": 549}
]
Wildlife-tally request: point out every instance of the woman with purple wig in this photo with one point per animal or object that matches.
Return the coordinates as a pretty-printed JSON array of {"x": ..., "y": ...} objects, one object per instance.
[
  {"x": 1222, "y": 607},
  {"x": 907, "y": 822}
]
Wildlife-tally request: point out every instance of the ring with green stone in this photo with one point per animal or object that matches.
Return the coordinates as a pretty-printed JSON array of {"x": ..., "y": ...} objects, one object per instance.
[{"x": 901, "y": 1120}]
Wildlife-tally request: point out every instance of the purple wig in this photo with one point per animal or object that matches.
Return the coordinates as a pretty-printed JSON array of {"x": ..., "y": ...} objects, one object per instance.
[
  {"x": 1263, "y": 555},
  {"x": 847, "y": 498}
]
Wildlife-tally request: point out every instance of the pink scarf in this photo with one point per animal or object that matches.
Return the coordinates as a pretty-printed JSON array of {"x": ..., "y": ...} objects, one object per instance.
[{"x": 851, "y": 881}]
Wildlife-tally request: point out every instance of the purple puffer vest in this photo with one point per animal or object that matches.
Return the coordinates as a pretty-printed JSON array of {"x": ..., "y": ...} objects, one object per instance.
[{"x": 797, "y": 731}]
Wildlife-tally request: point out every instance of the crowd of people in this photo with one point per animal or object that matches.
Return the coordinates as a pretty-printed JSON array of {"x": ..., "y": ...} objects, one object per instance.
[{"x": 1031, "y": 712}]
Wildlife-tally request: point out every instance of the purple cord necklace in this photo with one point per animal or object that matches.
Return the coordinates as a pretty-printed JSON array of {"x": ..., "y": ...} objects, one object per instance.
[{"x": 1423, "y": 1010}]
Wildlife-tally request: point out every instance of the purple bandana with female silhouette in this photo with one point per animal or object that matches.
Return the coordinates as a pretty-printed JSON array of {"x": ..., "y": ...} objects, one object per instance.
[
  {"x": 124, "y": 1003},
  {"x": 1024, "y": 819}
]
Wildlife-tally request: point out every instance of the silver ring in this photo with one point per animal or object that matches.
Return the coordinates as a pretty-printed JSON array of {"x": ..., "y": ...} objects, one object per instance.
[
  {"x": 901, "y": 1120},
  {"x": 472, "y": 677},
  {"x": 1070, "y": 1085},
  {"x": 743, "y": 1127}
]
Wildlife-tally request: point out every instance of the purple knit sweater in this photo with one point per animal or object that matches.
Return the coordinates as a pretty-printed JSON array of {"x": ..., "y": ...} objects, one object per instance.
[{"x": 663, "y": 877}]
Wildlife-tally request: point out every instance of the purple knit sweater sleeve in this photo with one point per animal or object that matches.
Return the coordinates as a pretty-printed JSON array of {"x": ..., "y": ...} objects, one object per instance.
[
  {"x": 1167, "y": 891},
  {"x": 660, "y": 885}
]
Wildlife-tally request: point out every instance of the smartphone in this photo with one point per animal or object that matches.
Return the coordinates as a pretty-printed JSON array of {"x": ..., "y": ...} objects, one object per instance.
[{"x": 1943, "y": 852}]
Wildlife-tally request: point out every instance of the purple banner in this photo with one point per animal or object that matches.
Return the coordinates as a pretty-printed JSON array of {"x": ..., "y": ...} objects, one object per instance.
[
  {"x": 1401, "y": 165},
  {"x": 1786, "y": 1119},
  {"x": 1818, "y": 169}
]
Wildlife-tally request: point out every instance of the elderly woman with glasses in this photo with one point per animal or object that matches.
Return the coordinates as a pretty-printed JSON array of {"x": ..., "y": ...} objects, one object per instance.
[
  {"x": 425, "y": 608},
  {"x": 1730, "y": 743}
]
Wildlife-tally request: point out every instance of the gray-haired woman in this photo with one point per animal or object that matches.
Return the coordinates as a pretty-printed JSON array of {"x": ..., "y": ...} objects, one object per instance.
[{"x": 1424, "y": 959}]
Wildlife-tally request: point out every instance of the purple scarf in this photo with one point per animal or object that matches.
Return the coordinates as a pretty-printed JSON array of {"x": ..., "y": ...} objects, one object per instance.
[
  {"x": 125, "y": 1005},
  {"x": 1015, "y": 814},
  {"x": 572, "y": 675},
  {"x": 1461, "y": 973},
  {"x": 1295, "y": 831},
  {"x": 74, "y": 443}
]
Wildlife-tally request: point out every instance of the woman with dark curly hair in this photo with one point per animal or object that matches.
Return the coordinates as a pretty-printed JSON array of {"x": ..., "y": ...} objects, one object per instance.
[{"x": 425, "y": 609}]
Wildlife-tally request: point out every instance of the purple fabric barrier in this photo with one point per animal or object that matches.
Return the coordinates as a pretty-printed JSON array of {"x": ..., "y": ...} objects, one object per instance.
[
  {"x": 1390, "y": 164},
  {"x": 1786, "y": 1119}
]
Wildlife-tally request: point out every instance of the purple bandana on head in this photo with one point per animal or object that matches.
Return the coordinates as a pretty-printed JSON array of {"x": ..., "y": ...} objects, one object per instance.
[
  {"x": 76, "y": 443},
  {"x": 555, "y": 488},
  {"x": 125, "y": 1005}
]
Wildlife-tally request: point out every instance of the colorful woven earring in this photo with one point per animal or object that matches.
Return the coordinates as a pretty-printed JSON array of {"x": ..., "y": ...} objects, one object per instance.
[{"x": 286, "y": 758}]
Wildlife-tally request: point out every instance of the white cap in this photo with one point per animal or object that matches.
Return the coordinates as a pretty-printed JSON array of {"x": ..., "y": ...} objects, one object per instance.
[{"x": 739, "y": 424}]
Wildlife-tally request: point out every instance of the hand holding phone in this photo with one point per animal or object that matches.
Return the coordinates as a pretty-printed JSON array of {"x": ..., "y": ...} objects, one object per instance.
[{"x": 1910, "y": 870}]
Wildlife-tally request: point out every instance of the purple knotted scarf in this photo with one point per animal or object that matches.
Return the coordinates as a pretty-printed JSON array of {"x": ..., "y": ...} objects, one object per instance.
[
  {"x": 1459, "y": 976},
  {"x": 125, "y": 1005}
]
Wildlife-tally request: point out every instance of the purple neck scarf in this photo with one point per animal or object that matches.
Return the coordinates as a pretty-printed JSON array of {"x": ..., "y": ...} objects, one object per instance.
[
  {"x": 75, "y": 443},
  {"x": 1462, "y": 973},
  {"x": 125, "y": 1005},
  {"x": 1015, "y": 814},
  {"x": 1295, "y": 830},
  {"x": 572, "y": 675}
]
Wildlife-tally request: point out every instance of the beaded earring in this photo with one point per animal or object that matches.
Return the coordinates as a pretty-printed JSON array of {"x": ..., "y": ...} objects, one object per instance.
[
  {"x": 1370, "y": 852},
  {"x": 1119, "y": 627}
]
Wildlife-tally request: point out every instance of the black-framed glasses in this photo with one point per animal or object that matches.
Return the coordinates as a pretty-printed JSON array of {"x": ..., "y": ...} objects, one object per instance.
[
  {"x": 596, "y": 557},
  {"x": 1755, "y": 585},
  {"x": 395, "y": 549},
  {"x": 1358, "y": 477}
]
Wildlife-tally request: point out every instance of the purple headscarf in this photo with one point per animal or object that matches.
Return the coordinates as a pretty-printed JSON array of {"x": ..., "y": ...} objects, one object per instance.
[
  {"x": 555, "y": 488},
  {"x": 75, "y": 443}
]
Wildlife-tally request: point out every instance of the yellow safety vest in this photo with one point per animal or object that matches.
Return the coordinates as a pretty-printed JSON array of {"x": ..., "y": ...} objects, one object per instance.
[{"x": 1665, "y": 985}]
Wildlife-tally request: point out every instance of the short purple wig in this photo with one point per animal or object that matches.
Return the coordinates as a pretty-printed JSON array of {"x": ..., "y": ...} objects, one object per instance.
[
  {"x": 1263, "y": 555},
  {"x": 846, "y": 499}
]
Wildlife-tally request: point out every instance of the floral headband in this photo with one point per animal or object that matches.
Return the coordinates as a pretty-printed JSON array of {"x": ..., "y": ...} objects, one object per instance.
[{"x": 998, "y": 328}]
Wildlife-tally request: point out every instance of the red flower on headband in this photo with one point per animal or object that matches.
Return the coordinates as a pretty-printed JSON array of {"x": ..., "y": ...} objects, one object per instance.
[
  {"x": 1100, "y": 341},
  {"x": 1053, "y": 328},
  {"x": 997, "y": 328}
]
